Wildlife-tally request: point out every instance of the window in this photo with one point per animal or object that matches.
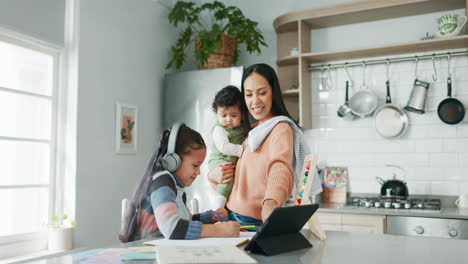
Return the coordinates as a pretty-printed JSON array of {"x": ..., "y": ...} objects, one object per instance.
[{"x": 28, "y": 140}]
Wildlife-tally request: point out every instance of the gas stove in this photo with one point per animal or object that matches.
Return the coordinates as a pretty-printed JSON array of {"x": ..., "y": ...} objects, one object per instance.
[{"x": 396, "y": 203}]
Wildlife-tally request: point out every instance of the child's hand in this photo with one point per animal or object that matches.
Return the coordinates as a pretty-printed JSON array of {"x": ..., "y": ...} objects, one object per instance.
[
  {"x": 228, "y": 229},
  {"x": 222, "y": 212}
]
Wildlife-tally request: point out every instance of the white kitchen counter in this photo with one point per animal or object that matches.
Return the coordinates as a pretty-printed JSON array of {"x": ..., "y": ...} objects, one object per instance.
[
  {"x": 349, "y": 248},
  {"x": 453, "y": 213}
]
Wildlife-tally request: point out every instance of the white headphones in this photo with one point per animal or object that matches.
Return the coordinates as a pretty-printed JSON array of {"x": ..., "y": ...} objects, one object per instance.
[{"x": 171, "y": 161}]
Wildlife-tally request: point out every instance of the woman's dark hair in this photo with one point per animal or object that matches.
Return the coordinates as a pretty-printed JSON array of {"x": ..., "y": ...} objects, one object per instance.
[
  {"x": 226, "y": 97},
  {"x": 187, "y": 140},
  {"x": 278, "y": 107}
]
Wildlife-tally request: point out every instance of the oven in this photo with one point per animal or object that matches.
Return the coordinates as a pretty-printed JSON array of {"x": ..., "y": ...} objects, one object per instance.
[{"x": 427, "y": 227}]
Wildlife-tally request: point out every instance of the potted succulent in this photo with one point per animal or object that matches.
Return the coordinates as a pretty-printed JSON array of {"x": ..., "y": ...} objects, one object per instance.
[
  {"x": 216, "y": 42},
  {"x": 60, "y": 235}
]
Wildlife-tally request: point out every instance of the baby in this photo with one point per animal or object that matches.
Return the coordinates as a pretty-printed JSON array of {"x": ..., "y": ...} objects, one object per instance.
[{"x": 228, "y": 135}]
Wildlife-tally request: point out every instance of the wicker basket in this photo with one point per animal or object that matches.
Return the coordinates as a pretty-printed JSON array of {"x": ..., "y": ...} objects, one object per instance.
[{"x": 224, "y": 56}]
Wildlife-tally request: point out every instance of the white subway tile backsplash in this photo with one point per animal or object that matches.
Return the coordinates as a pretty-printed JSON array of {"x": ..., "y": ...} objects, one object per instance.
[
  {"x": 362, "y": 186},
  {"x": 443, "y": 160},
  {"x": 418, "y": 187},
  {"x": 444, "y": 188},
  {"x": 426, "y": 174},
  {"x": 450, "y": 145},
  {"x": 463, "y": 161},
  {"x": 460, "y": 74},
  {"x": 346, "y": 160},
  {"x": 428, "y": 145},
  {"x": 402, "y": 159},
  {"x": 463, "y": 188},
  {"x": 433, "y": 154},
  {"x": 442, "y": 131},
  {"x": 455, "y": 174}
]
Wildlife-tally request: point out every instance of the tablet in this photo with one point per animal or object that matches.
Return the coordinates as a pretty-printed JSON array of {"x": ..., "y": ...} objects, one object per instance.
[{"x": 281, "y": 230}]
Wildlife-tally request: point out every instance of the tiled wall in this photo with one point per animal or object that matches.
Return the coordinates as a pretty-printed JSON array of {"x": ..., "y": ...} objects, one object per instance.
[{"x": 433, "y": 154}]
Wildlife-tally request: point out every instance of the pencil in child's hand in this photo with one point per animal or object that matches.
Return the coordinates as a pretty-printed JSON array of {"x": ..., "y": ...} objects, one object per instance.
[{"x": 218, "y": 215}]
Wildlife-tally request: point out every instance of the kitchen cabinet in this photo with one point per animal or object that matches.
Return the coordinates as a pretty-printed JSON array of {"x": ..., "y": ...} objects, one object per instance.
[
  {"x": 373, "y": 224},
  {"x": 293, "y": 30}
]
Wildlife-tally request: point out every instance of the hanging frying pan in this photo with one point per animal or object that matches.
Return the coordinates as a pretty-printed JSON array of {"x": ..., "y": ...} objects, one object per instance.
[
  {"x": 450, "y": 110},
  {"x": 390, "y": 121}
]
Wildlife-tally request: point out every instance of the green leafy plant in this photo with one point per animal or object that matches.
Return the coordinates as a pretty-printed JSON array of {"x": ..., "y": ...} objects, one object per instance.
[
  {"x": 59, "y": 221},
  {"x": 222, "y": 20}
]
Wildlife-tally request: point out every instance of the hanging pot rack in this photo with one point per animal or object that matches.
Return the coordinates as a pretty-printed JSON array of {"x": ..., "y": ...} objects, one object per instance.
[{"x": 314, "y": 66}]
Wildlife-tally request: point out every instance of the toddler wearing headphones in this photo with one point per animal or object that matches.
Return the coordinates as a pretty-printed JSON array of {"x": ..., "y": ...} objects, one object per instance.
[
  {"x": 228, "y": 135},
  {"x": 159, "y": 206}
]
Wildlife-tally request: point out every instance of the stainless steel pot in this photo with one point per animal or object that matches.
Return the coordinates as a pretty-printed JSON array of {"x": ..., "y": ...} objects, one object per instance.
[{"x": 365, "y": 101}]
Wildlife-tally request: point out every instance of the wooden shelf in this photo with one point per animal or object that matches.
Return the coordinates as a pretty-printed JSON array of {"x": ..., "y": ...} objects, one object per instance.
[
  {"x": 457, "y": 42},
  {"x": 291, "y": 92},
  {"x": 294, "y": 30},
  {"x": 363, "y": 11},
  {"x": 288, "y": 60}
]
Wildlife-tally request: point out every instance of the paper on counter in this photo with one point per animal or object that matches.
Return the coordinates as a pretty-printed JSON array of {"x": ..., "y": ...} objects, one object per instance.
[
  {"x": 210, "y": 241},
  {"x": 204, "y": 254}
]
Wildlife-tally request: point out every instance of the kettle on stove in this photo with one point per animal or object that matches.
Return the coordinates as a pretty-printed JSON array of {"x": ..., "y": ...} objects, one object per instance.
[{"x": 393, "y": 188}]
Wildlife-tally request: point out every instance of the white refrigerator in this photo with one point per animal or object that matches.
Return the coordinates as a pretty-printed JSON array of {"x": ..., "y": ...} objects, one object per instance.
[{"x": 187, "y": 97}]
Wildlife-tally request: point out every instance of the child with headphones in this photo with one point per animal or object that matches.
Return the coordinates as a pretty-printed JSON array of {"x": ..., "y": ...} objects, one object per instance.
[
  {"x": 159, "y": 206},
  {"x": 228, "y": 135}
]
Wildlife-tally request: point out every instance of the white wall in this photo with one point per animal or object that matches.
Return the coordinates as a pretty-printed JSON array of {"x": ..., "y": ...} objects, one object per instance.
[
  {"x": 264, "y": 12},
  {"x": 123, "y": 50},
  {"x": 42, "y": 19},
  {"x": 434, "y": 155}
]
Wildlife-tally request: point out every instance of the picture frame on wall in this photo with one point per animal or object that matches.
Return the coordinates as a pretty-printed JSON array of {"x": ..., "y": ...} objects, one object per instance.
[{"x": 126, "y": 130}]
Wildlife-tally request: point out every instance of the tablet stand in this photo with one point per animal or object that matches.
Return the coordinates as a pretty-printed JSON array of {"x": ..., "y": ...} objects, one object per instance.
[{"x": 303, "y": 194}]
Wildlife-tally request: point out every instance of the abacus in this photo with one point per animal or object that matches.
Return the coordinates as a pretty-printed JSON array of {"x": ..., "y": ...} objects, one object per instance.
[{"x": 303, "y": 193}]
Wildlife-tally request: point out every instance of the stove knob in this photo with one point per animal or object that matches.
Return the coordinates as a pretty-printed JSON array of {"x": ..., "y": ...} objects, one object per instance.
[
  {"x": 396, "y": 205},
  {"x": 453, "y": 232},
  {"x": 377, "y": 204},
  {"x": 419, "y": 230},
  {"x": 407, "y": 205}
]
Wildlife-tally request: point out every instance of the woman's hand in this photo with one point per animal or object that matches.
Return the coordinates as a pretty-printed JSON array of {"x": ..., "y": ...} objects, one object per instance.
[
  {"x": 221, "y": 229},
  {"x": 222, "y": 212},
  {"x": 223, "y": 173},
  {"x": 268, "y": 207}
]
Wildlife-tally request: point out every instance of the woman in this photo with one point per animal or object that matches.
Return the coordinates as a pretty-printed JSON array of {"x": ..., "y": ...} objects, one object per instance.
[{"x": 265, "y": 173}]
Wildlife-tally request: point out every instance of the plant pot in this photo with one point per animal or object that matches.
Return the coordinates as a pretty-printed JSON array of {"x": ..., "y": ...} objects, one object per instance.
[
  {"x": 224, "y": 55},
  {"x": 60, "y": 239}
]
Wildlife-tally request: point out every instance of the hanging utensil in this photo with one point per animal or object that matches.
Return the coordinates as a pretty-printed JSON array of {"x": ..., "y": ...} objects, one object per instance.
[
  {"x": 417, "y": 99},
  {"x": 344, "y": 111},
  {"x": 450, "y": 110},
  {"x": 390, "y": 121},
  {"x": 364, "y": 102}
]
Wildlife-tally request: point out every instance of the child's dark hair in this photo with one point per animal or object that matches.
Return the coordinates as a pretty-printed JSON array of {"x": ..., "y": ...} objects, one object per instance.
[
  {"x": 226, "y": 97},
  {"x": 187, "y": 140}
]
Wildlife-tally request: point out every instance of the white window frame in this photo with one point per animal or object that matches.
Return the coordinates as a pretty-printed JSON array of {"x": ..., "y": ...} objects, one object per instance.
[{"x": 22, "y": 244}]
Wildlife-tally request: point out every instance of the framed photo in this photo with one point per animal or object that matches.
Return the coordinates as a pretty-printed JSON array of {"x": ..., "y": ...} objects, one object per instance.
[{"x": 126, "y": 129}]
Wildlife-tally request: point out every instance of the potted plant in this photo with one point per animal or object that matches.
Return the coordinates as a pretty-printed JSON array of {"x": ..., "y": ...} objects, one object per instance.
[
  {"x": 60, "y": 235},
  {"x": 216, "y": 42}
]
